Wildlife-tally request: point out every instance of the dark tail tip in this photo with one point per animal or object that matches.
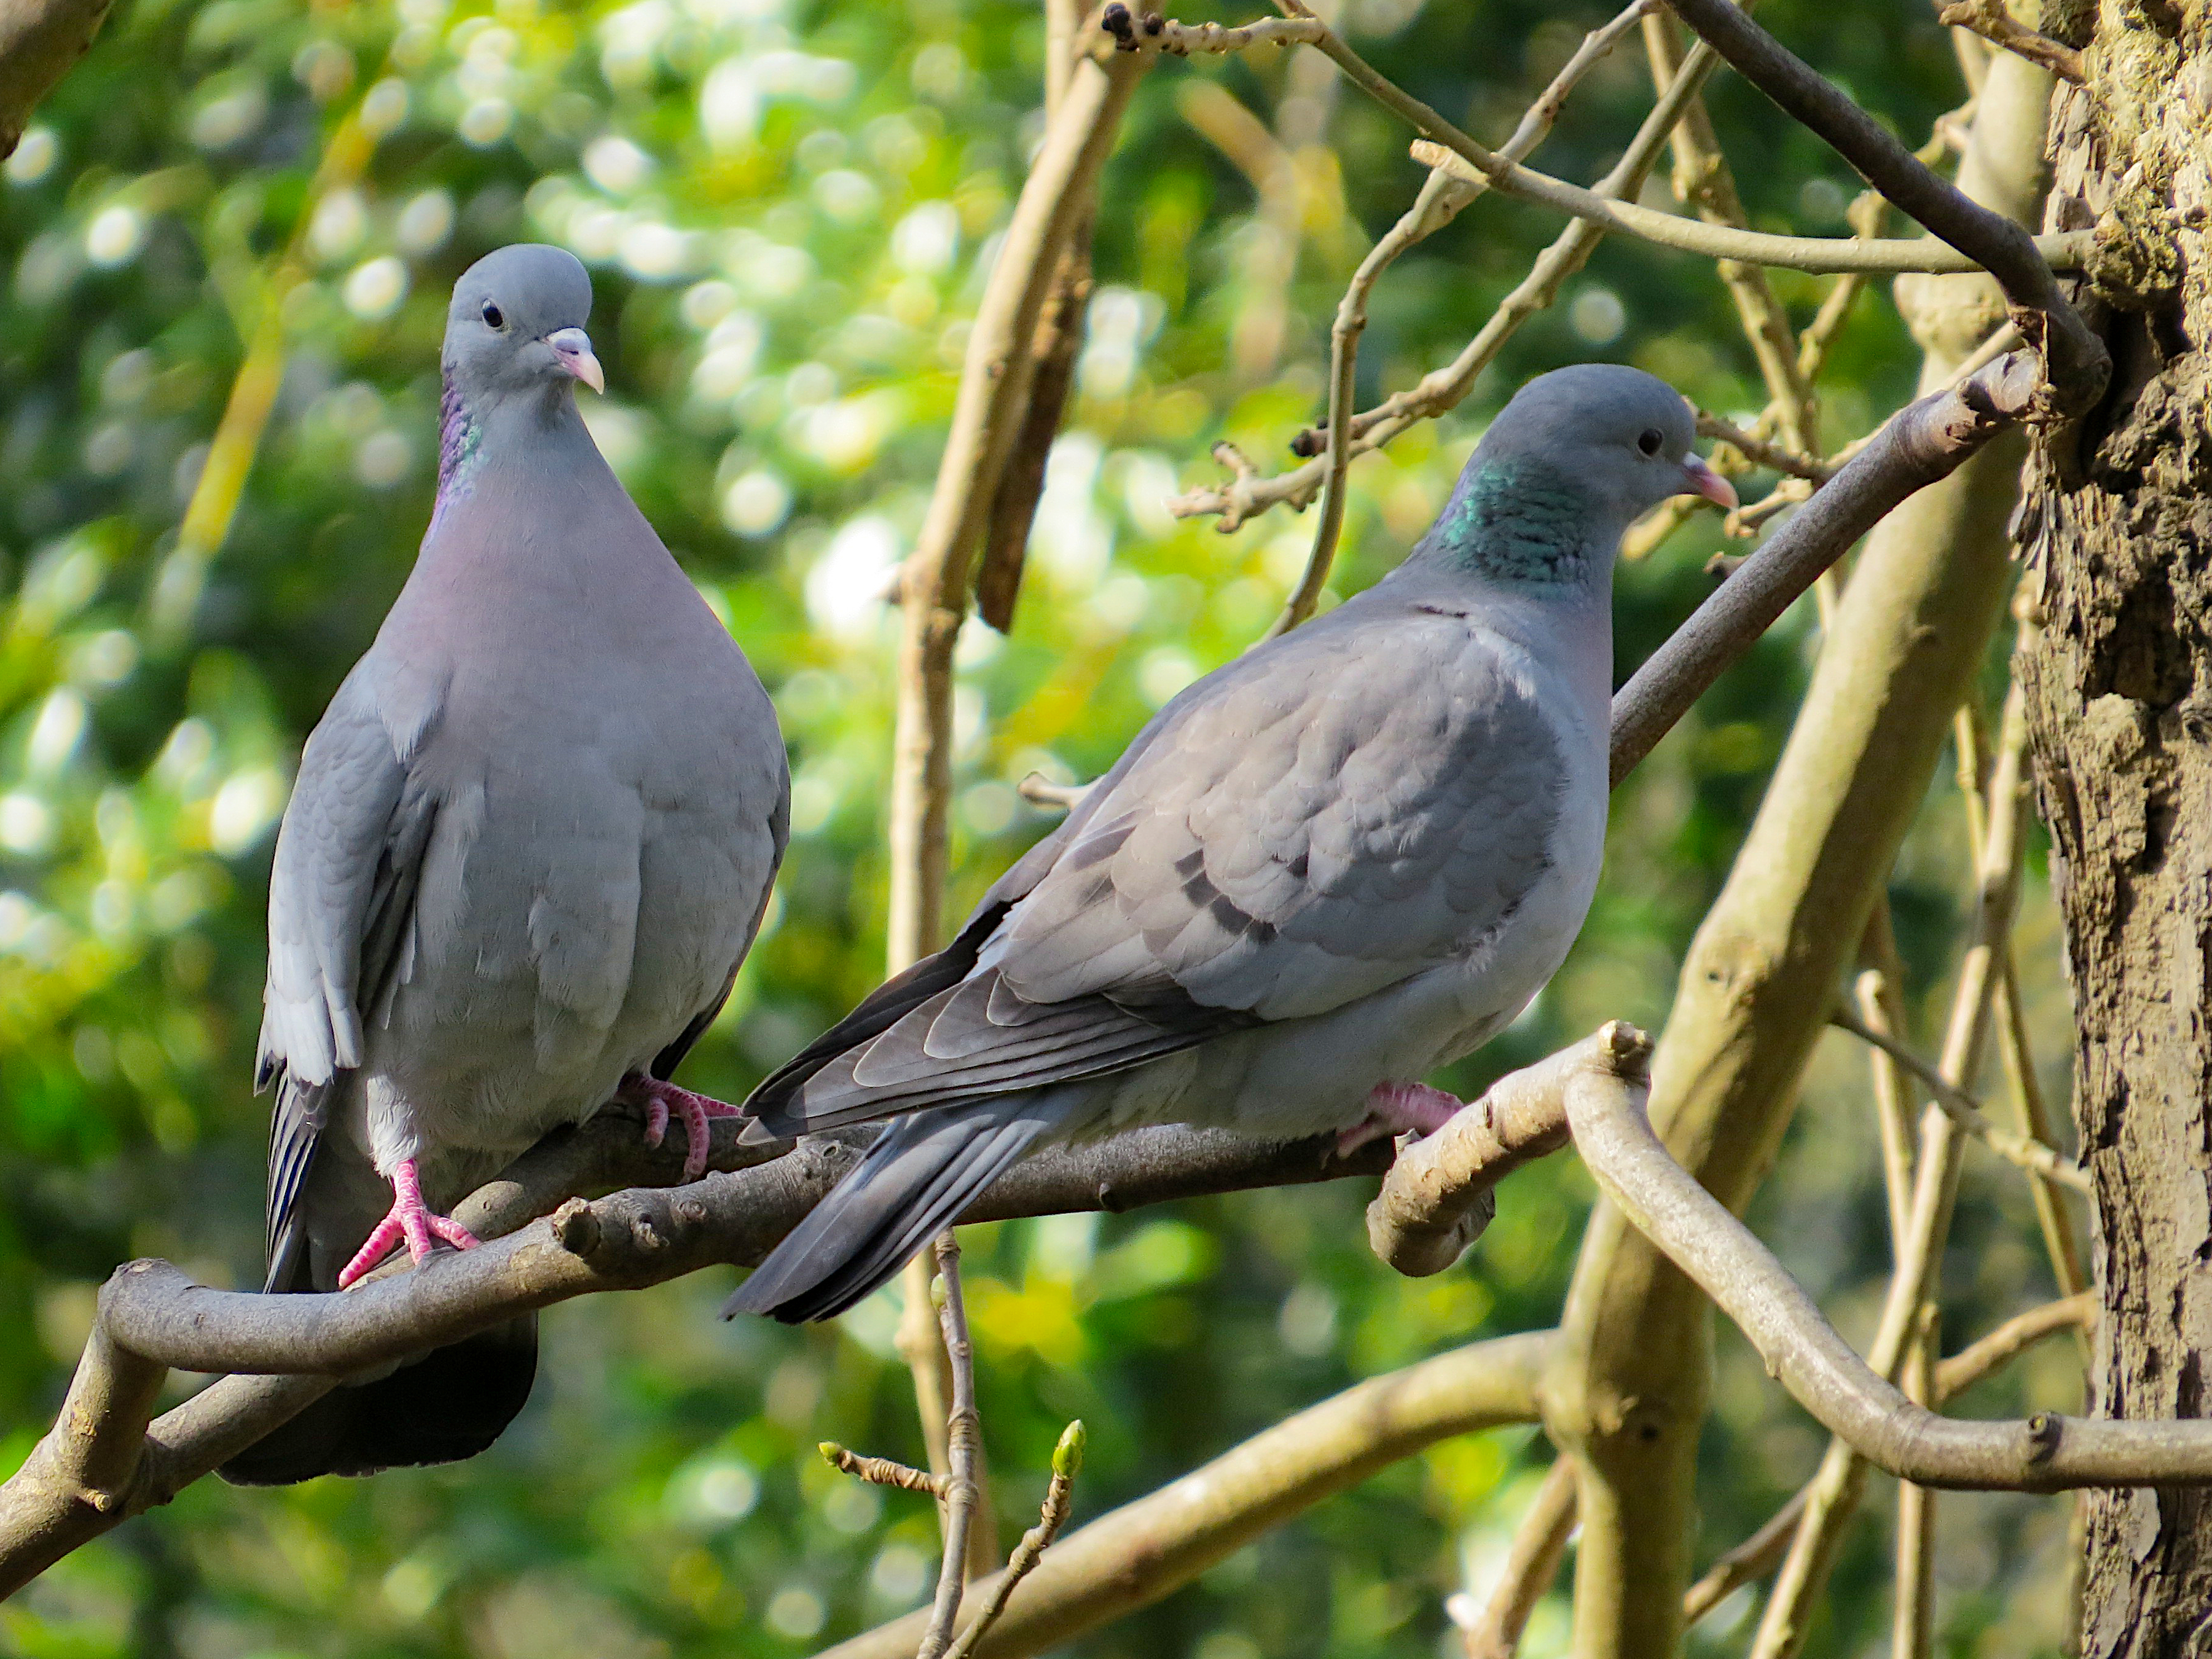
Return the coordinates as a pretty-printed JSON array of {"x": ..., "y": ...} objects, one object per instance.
[
  {"x": 449, "y": 1405},
  {"x": 917, "y": 1178}
]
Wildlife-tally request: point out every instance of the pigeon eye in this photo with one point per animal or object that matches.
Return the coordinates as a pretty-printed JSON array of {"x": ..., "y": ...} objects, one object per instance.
[
  {"x": 493, "y": 316},
  {"x": 1652, "y": 441}
]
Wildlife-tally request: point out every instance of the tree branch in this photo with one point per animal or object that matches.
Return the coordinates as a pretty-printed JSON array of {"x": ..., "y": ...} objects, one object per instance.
[
  {"x": 2043, "y": 1452},
  {"x": 1440, "y": 1192},
  {"x": 2076, "y": 359},
  {"x": 1539, "y": 1547}
]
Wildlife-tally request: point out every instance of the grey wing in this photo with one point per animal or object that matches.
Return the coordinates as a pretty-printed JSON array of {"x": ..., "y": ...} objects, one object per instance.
[
  {"x": 1324, "y": 818},
  {"x": 779, "y": 828},
  {"x": 341, "y": 911}
]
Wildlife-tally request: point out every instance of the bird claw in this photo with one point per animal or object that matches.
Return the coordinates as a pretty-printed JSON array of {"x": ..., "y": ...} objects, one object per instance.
[
  {"x": 1396, "y": 1108},
  {"x": 409, "y": 1219},
  {"x": 663, "y": 1100}
]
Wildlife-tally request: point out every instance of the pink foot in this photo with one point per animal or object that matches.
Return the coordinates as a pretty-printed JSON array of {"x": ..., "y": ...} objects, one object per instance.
[
  {"x": 409, "y": 1219},
  {"x": 660, "y": 1101},
  {"x": 1393, "y": 1108}
]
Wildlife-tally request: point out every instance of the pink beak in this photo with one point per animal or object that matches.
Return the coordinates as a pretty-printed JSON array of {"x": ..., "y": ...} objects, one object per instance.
[
  {"x": 1698, "y": 479},
  {"x": 571, "y": 350}
]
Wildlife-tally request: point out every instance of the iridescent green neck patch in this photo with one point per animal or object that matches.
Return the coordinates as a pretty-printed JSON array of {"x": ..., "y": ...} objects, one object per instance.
[{"x": 1518, "y": 520}]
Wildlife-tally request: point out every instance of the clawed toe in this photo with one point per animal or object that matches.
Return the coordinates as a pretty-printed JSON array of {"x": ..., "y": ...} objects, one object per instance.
[
  {"x": 1394, "y": 1108},
  {"x": 409, "y": 1220},
  {"x": 663, "y": 1100}
]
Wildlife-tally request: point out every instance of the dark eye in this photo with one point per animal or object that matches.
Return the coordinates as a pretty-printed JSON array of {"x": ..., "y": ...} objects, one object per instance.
[
  {"x": 1651, "y": 443},
  {"x": 493, "y": 316}
]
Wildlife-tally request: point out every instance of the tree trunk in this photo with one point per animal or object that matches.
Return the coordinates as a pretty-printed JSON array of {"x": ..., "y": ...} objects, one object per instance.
[{"x": 2119, "y": 517}]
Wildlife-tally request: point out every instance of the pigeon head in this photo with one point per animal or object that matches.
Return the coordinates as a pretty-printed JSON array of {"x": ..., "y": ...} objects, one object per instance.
[
  {"x": 516, "y": 327},
  {"x": 1576, "y": 458}
]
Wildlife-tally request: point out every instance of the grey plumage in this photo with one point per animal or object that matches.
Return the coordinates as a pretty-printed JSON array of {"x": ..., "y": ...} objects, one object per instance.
[
  {"x": 531, "y": 841},
  {"x": 1345, "y": 858}
]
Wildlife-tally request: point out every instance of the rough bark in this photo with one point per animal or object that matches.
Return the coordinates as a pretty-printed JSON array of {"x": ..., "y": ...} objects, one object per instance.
[{"x": 2120, "y": 521}]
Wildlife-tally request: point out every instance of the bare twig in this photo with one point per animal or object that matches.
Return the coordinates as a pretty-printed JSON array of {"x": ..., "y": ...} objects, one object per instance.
[
  {"x": 964, "y": 1436},
  {"x": 1964, "y": 1109},
  {"x": 1878, "y": 1008},
  {"x": 1058, "y": 1498},
  {"x": 2076, "y": 359},
  {"x": 880, "y": 1471},
  {"x": 1762, "y": 453},
  {"x": 1913, "y": 1615},
  {"x": 1443, "y": 193},
  {"x": 1704, "y": 182},
  {"x": 1749, "y": 1561},
  {"x": 1440, "y": 1192},
  {"x": 1983, "y": 1357},
  {"x": 1248, "y": 492},
  {"x": 1478, "y": 163},
  {"x": 1144, "y": 1551},
  {"x": 1539, "y": 1547},
  {"x": 1725, "y": 1259},
  {"x": 1989, "y": 20}
]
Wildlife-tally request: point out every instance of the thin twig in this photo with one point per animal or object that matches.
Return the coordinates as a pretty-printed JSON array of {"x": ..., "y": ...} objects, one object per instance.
[
  {"x": 1809, "y": 254},
  {"x": 1059, "y": 1499},
  {"x": 1248, "y": 493},
  {"x": 880, "y": 1471},
  {"x": 1749, "y": 1561},
  {"x": 1763, "y": 454},
  {"x": 964, "y": 1436},
  {"x": 1134, "y": 1556},
  {"x": 1989, "y": 20},
  {"x": 2076, "y": 359},
  {"x": 1442, "y": 194},
  {"x": 1912, "y": 1625},
  {"x": 1538, "y": 1546},
  {"x": 1982, "y": 1357},
  {"x": 1965, "y": 1108}
]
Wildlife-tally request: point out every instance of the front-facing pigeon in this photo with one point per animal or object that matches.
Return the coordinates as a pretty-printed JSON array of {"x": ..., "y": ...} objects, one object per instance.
[
  {"x": 530, "y": 840},
  {"x": 1350, "y": 856}
]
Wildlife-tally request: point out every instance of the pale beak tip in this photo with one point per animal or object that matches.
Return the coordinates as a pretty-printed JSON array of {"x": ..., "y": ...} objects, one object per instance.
[
  {"x": 571, "y": 350},
  {"x": 1703, "y": 481}
]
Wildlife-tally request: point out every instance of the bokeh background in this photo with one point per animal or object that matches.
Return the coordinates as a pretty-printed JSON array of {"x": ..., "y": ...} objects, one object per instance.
[{"x": 787, "y": 209}]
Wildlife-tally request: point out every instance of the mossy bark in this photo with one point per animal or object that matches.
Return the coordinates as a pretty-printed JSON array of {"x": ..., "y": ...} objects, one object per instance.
[{"x": 2118, "y": 520}]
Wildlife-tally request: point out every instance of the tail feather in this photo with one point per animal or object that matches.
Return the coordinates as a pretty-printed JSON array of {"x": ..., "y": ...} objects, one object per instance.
[{"x": 925, "y": 1170}]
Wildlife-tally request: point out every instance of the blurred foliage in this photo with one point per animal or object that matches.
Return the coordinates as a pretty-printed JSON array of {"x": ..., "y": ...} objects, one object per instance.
[{"x": 788, "y": 208}]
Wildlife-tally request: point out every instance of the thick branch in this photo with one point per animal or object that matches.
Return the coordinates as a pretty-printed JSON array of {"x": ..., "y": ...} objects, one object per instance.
[
  {"x": 1440, "y": 1192},
  {"x": 2043, "y": 1452}
]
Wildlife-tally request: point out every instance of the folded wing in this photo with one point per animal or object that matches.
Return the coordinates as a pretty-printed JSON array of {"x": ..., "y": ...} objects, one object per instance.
[{"x": 1326, "y": 817}]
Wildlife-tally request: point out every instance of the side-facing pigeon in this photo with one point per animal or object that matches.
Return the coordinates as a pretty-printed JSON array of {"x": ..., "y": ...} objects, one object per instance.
[
  {"x": 531, "y": 840},
  {"x": 1350, "y": 855}
]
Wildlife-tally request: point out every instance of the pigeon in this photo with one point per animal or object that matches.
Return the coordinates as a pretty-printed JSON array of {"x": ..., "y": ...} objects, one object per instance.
[
  {"x": 1348, "y": 857},
  {"x": 531, "y": 840}
]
